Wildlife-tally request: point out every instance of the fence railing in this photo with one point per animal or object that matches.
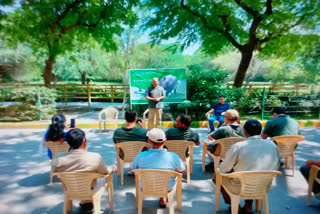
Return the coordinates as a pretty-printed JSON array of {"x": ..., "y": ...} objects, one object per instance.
[
  {"x": 296, "y": 89},
  {"x": 69, "y": 92}
]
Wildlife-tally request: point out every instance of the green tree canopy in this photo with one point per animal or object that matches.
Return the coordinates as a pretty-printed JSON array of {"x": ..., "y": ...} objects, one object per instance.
[
  {"x": 53, "y": 27},
  {"x": 270, "y": 26}
]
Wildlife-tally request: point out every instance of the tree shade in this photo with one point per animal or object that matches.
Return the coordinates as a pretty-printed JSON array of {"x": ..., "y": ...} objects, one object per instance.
[
  {"x": 53, "y": 27},
  {"x": 273, "y": 27}
]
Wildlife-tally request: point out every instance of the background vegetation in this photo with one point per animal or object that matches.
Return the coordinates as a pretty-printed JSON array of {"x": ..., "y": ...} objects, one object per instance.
[{"x": 75, "y": 41}]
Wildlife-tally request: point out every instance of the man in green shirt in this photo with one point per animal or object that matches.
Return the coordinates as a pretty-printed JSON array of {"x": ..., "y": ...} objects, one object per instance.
[
  {"x": 232, "y": 128},
  {"x": 182, "y": 130},
  {"x": 130, "y": 132},
  {"x": 280, "y": 125},
  {"x": 155, "y": 94}
]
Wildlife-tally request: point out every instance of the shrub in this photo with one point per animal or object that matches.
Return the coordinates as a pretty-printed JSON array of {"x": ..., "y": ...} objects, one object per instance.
[
  {"x": 204, "y": 87},
  {"x": 29, "y": 109},
  {"x": 252, "y": 103}
]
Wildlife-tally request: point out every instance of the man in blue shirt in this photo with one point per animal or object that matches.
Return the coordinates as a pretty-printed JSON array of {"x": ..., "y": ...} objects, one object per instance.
[
  {"x": 158, "y": 158},
  {"x": 217, "y": 109}
]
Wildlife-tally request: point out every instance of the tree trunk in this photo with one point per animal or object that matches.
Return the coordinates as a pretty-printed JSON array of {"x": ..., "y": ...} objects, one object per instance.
[
  {"x": 84, "y": 77},
  {"x": 48, "y": 72},
  {"x": 246, "y": 57}
]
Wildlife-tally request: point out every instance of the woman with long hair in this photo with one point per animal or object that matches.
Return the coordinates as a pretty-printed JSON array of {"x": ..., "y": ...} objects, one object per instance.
[{"x": 56, "y": 131}]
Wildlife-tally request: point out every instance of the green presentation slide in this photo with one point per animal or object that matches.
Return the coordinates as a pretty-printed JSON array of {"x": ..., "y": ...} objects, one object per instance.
[{"x": 173, "y": 80}]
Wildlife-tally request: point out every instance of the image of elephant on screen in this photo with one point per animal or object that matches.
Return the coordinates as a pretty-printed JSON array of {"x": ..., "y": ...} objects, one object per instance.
[{"x": 169, "y": 83}]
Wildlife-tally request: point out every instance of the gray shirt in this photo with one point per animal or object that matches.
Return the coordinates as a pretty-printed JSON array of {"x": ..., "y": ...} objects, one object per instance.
[
  {"x": 155, "y": 93},
  {"x": 230, "y": 130},
  {"x": 253, "y": 154}
]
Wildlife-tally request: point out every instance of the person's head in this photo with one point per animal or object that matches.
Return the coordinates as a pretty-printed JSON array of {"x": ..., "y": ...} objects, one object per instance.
[
  {"x": 222, "y": 99},
  {"x": 231, "y": 116},
  {"x": 130, "y": 116},
  {"x": 156, "y": 138},
  {"x": 76, "y": 138},
  {"x": 276, "y": 111},
  {"x": 183, "y": 121},
  {"x": 252, "y": 127},
  {"x": 56, "y": 129},
  {"x": 155, "y": 82},
  {"x": 58, "y": 119}
]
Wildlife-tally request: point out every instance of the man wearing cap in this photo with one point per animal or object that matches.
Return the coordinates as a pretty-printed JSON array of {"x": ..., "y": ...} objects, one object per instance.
[
  {"x": 155, "y": 94},
  {"x": 280, "y": 125},
  {"x": 158, "y": 158},
  {"x": 217, "y": 109},
  {"x": 182, "y": 130},
  {"x": 232, "y": 128},
  {"x": 80, "y": 160}
]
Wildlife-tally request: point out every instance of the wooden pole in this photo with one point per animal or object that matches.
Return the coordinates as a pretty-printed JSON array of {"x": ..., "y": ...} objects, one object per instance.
[
  {"x": 89, "y": 96},
  {"x": 263, "y": 102},
  {"x": 297, "y": 89},
  {"x": 124, "y": 102},
  {"x": 112, "y": 98},
  {"x": 65, "y": 92}
]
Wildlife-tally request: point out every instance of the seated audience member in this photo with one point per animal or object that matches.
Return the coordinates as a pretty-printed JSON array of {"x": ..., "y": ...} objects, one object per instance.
[
  {"x": 158, "y": 158},
  {"x": 80, "y": 160},
  {"x": 182, "y": 130},
  {"x": 217, "y": 109},
  {"x": 131, "y": 132},
  {"x": 305, "y": 171},
  {"x": 280, "y": 125},
  {"x": 55, "y": 132},
  {"x": 254, "y": 154},
  {"x": 232, "y": 128}
]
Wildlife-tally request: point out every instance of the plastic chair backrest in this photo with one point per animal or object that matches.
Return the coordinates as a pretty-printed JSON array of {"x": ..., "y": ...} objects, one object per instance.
[
  {"x": 155, "y": 181},
  {"x": 286, "y": 144},
  {"x": 57, "y": 147}
]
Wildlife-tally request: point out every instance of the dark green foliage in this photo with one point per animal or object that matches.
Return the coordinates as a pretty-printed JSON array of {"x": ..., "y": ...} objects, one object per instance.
[
  {"x": 29, "y": 109},
  {"x": 53, "y": 28},
  {"x": 252, "y": 103},
  {"x": 205, "y": 84},
  {"x": 273, "y": 27}
]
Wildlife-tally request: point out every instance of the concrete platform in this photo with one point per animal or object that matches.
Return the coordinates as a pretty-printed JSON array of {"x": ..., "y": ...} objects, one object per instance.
[{"x": 24, "y": 179}]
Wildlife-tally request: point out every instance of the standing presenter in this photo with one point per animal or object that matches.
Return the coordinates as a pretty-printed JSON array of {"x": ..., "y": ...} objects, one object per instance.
[{"x": 155, "y": 94}]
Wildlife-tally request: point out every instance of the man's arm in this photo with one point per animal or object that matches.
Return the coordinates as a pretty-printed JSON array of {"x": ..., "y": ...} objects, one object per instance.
[
  {"x": 266, "y": 130},
  {"x": 229, "y": 106},
  {"x": 135, "y": 164},
  {"x": 142, "y": 123},
  {"x": 147, "y": 95},
  {"x": 264, "y": 135},
  {"x": 163, "y": 96},
  {"x": 217, "y": 134},
  {"x": 196, "y": 138},
  {"x": 150, "y": 98},
  {"x": 159, "y": 98},
  {"x": 309, "y": 163},
  {"x": 209, "y": 112},
  {"x": 54, "y": 164},
  {"x": 181, "y": 167},
  {"x": 230, "y": 159},
  {"x": 104, "y": 169},
  {"x": 114, "y": 137}
]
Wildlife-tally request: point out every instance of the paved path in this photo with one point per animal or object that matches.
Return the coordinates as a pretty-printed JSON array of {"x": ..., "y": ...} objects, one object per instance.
[{"x": 24, "y": 179}]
